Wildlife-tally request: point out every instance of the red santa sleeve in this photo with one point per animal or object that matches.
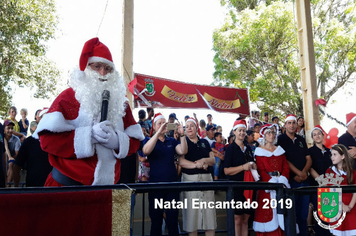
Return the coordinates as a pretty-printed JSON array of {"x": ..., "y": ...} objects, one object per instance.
[
  {"x": 261, "y": 169},
  {"x": 129, "y": 140},
  {"x": 60, "y": 140},
  {"x": 62, "y": 132}
]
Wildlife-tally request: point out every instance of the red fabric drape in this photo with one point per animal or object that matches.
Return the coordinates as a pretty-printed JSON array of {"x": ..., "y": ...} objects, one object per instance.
[
  {"x": 248, "y": 178},
  {"x": 62, "y": 213}
]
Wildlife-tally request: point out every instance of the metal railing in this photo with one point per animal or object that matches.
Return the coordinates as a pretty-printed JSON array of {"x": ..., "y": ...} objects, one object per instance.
[{"x": 227, "y": 186}]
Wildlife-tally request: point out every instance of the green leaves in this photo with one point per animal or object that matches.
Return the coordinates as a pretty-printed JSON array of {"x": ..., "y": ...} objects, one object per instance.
[
  {"x": 25, "y": 27},
  {"x": 258, "y": 48}
]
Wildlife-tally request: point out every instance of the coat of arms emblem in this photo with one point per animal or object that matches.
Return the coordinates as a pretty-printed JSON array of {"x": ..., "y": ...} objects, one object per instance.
[
  {"x": 329, "y": 202},
  {"x": 150, "y": 89}
]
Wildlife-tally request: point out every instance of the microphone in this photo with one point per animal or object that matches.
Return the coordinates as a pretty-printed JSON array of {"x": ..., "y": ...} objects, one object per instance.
[{"x": 104, "y": 106}]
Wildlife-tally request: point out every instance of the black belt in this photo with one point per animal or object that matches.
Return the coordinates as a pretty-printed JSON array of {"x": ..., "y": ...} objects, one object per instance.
[
  {"x": 274, "y": 173},
  {"x": 63, "y": 179}
]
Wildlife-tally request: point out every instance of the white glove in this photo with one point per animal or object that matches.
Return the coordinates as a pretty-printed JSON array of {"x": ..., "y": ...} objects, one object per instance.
[{"x": 104, "y": 134}]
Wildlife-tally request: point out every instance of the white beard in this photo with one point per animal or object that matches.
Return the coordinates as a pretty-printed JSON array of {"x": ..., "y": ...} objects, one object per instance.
[{"x": 88, "y": 91}]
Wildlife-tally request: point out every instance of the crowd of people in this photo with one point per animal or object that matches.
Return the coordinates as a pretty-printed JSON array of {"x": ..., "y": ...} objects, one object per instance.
[
  {"x": 279, "y": 154},
  {"x": 24, "y": 161},
  {"x": 79, "y": 141}
]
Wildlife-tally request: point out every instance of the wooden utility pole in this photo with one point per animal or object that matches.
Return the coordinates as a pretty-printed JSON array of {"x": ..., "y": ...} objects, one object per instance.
[
  {"x": 307, "y": 66},
  {"x": 127, "y": 45}
]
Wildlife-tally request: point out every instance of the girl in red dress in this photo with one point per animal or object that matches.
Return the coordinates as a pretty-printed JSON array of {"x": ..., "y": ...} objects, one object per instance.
[
  {"x": 273, "y": 167},
  {"x": 342, "y": 166}
]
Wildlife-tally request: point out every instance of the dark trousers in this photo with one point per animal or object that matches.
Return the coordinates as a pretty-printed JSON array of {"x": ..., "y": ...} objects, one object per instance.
[
  {"x": 156, "y": 214},
  {"x": 301, "y": 207}
]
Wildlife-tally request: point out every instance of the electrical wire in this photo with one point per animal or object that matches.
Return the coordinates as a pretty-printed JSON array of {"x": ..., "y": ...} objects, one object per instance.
[{"x": 102, "y": 18}]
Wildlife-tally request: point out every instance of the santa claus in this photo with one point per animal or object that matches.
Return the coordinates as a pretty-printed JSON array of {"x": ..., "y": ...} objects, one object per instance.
[{"x": 82, "y": 149}]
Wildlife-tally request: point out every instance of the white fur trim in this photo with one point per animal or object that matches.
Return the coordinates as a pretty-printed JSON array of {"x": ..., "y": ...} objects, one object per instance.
[
  {"x": 44, "y": 111},
  {"x": 283, "y": 180},
  {"x": 290, "y": 118},
  {"x": 192, "y": 120},
  {"x": 239, "y": 125},
  {"x": 269, "y": 127},
  {"x": 281, "y": 221},
  {"x": 343, "y": 233},
  {"x": 135, "y": 131},
  {"x": 101, "y": 59},
  {"x": 278, "y": 219},
  {"x": 271, "y": 225},
  {"x": 53, "y": 122},
  {"x": 353, "y": 118},
  {"x": 272, "y": 180},
  {"x": 263, "y": 152},
  {"x": 82, "y": 142},
  {"x": 82, "y": 137},
  {"x": 157, "y": 118},
  {"x": 338, "y": 172},
  {"x": 105, "y": 168},
  {"x": 124, "y": 144},
  {"x": 315, "y": 129},
  {"x": 268, "y": 226}
]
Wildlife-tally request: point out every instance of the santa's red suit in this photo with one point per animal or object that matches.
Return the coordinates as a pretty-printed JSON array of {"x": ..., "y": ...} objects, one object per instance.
[
  {"x": 65, "y": 132},
  {"x": 267, "y": 222}
]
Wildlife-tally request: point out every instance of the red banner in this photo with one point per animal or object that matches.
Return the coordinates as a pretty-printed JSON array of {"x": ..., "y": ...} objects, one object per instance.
[{"x": 152, "y": 91}]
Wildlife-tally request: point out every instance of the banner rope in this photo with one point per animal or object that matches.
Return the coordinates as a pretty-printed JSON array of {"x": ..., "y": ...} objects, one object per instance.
[{"x": 331, "y": 118}]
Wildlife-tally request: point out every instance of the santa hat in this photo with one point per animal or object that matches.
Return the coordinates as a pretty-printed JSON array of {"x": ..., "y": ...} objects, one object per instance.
[
  {"x": 290, "y": 117},
  {"x": 239, "y": 123},
  {"x": 95, "y": 51},
  {"x": 266, "y": 127},
  {"x": 155, "y": 118},
  {"x": 192, "y": 120},
  {"x": 349, "y": 118},
  {"x": 319, "y": 128}
]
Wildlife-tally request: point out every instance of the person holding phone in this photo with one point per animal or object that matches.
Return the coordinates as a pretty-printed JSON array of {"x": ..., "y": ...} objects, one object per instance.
[{"x": 160, "y": 151}]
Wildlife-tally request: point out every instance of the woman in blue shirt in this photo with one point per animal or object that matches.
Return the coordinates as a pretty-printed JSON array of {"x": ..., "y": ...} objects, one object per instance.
[{"x": 160, "y": 151}]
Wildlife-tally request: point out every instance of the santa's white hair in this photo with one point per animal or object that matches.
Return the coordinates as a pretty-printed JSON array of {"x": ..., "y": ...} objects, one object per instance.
[{"x": 88, "y": 91}]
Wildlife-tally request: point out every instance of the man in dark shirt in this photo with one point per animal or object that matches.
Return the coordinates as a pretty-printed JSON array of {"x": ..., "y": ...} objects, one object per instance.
[
  {"x": 299, "y": 162},
  {"x": 349, "y": 138},
  {"x": 32, "y": 158}
]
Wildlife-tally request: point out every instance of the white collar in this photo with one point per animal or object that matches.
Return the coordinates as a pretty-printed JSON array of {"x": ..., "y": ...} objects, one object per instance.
[
  {"x": 263, "y": 152},
  {"x": 338, "y": 172}
]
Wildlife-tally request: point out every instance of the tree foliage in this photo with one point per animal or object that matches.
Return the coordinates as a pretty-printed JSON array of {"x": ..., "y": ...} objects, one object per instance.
[
  {"x": 258, "y": 48},
  {"x": 25, "y": 27}
]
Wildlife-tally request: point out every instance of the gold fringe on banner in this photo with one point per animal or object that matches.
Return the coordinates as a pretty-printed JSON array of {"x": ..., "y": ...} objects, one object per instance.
[{"x": 121, "y": 212}]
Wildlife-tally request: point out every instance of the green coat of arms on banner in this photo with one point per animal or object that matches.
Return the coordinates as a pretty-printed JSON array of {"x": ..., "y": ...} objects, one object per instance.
[{"x": 150, "y": 89}]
